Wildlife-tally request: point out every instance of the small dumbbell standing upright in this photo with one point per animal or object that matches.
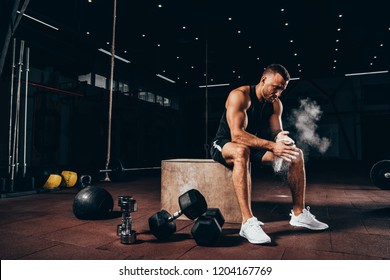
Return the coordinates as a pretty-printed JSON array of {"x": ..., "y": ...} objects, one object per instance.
[
  {"x": 208, "y": 227},
  {"x": 192, "y": 204},
  {"x": 128, "y": 205}
]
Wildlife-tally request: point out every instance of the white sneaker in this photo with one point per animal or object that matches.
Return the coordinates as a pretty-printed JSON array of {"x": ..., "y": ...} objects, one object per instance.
[
  {"x": 252, "y": 231},
  {"x": 307, "y": 220}
]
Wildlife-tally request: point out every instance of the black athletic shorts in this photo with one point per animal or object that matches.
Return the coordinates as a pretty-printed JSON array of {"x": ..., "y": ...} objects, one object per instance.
[{"x": 216, "y": 153}]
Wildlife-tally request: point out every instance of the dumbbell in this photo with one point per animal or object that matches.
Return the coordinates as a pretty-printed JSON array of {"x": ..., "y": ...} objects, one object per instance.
[
  {"x": 128, "y": 205},
  {"x": 208, "y": 227},
  {"x": 192, "y": 204}
]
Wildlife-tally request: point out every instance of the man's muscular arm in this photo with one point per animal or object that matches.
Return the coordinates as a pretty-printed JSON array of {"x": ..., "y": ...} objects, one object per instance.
[
  {"x": 236, "y": 106},
  {"x": 276, "y": 118}
]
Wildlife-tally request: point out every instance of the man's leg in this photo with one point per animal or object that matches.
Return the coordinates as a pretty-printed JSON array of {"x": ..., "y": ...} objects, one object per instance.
[
  {"x": 238, "y": 155},
  {"x": 296, "y": 179}
]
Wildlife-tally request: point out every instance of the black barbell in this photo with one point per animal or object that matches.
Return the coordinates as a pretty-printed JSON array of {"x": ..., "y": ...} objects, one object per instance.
[
  {"x": 380, "y": 174},
  {"x": 117, "y": 170}
]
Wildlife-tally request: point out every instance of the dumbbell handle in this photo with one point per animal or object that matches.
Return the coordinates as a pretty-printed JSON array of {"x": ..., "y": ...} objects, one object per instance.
[{"x": 175, "y": 215}]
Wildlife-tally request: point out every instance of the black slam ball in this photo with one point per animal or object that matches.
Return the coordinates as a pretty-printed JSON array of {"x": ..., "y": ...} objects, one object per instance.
[{"x": 93, "y": 203}]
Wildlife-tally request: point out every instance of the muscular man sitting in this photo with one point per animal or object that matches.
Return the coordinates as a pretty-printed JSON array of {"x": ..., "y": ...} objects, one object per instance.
[{"x": 251, "y": 130}]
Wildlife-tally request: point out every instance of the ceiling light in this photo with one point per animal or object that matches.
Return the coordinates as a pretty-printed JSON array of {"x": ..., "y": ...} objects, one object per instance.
[
  {"x": 381, "y": 45},
  {"x": 291, "y": 41},
  {"x": 159, "y": 5},
  {"x": 41, "y": 22},
  {"x": 336, "y": 50},
  {"x": 192, "y": 67},
  {"x": 367, "y": 73},
  {"x": 184, "y": 27},
  {"x": 87, "y": 33},
  {"x": 165, "y": 78},
  {"x": 340, "y": 16},
  {"x": 375, "y": 56},
  {"x": 338, "y": 29},
  {"x": 294, "y": 79},
  {"x": 215, "y": 85},
  {"x": 125, "y": 51},
  {"x": 337, "y": 40},
  {"x": 107, "y": 43},
  {"x": 286, "y": 24},
  {"x": 143, "y": 35},
  {"x": 89, "y": 1},
  {"x": 282, "y": 10},
  {"x": 295, "y": 54},
  {"x": 239, "y": 31},
  {"x": 197, "y": 38},
  {"x": 230, "y": 18},
  {"x": 250, "y": 47},
  {"x": 117, "y": 57},
  {"x": 158, "y": 45},
  {"x": 177, "y": 57},
  {"x": 335, "y": 61}
]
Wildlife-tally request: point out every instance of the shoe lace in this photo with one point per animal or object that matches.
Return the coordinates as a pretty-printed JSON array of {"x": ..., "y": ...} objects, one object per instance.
[
  {"x": 307, "y": 212},
  {"x": 255, "y": 223}
]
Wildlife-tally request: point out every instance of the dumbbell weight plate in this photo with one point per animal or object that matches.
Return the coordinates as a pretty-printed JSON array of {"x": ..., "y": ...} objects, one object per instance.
[
  {"x": 129, "y": 238},
  {"x": 159, "y": 225},
  {"x": 207, "y": 229},
  {"x": 192, "y": 204},
  {"x": 217, "y": 214},
  {"x": 380, "y": 174}
]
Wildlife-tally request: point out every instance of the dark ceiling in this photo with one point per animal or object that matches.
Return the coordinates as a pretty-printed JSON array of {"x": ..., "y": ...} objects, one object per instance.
[{"x": 231, "y": 41}]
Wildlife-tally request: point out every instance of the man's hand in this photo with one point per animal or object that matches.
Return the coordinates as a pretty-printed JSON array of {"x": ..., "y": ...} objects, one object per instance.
[
  {"x": 283, "y": 137},
  {"x": 286, "y": 152}
]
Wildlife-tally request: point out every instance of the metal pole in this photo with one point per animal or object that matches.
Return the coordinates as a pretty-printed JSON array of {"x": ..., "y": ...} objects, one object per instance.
[
  {"x": 107, "y": 178},
  {"x": 206, "y": 146},
  {"x": 25, "y": 113},
  {"x": 17, "y": 109},
  {"x": 17, "y": 159},
  {"x": 11, "y": 109}
]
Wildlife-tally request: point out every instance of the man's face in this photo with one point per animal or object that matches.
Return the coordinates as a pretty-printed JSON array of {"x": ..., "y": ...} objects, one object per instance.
[{"x": 274, "y": 84}]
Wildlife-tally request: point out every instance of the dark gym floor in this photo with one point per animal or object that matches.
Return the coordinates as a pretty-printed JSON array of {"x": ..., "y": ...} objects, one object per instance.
[{"x": 42, "y": 225}]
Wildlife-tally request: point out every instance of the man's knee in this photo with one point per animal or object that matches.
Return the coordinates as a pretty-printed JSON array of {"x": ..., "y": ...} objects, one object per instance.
[
  {"x": 241, "y": 153},
  {"x": 300, "y": 157}
]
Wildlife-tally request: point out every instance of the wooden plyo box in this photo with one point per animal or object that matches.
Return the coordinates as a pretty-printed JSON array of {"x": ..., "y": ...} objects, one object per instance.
[{"x": 211, "y": 178}]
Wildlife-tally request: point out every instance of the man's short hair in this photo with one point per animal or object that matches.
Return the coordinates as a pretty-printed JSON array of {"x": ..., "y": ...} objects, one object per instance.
[{"x": 277, "y": 68}]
